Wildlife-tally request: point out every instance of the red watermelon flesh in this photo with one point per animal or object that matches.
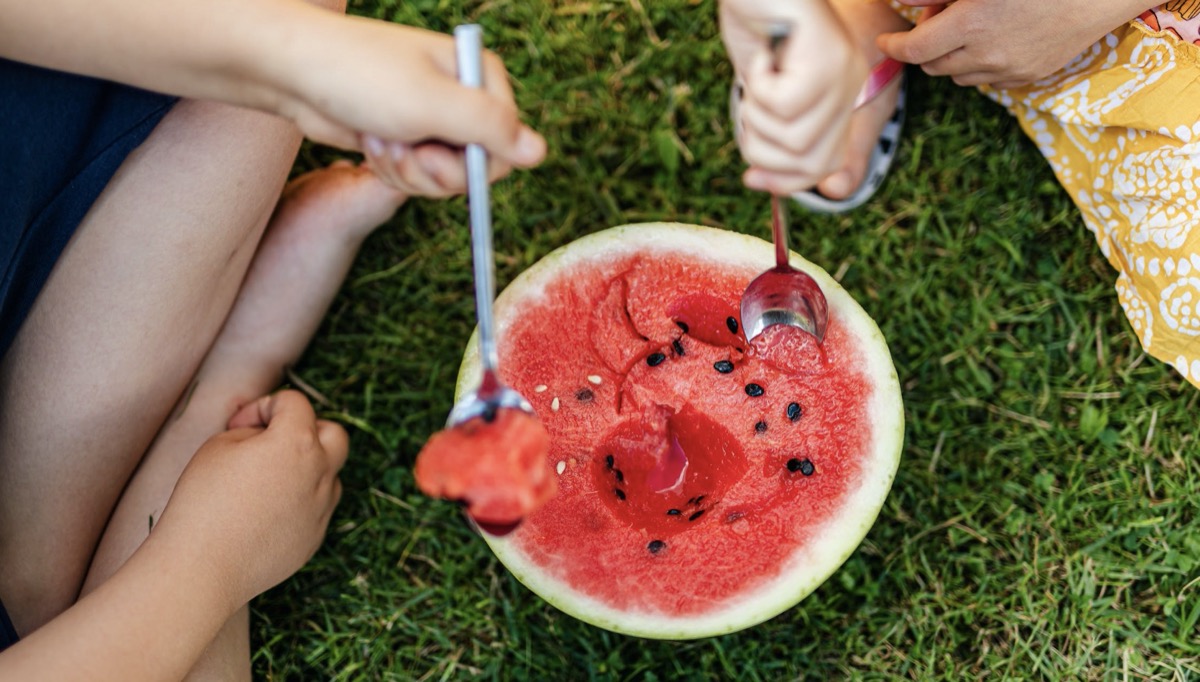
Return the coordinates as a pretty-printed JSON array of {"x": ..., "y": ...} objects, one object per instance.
[
  {"x": 737, "y": 446},
  {"x": 697, "y": 472}
]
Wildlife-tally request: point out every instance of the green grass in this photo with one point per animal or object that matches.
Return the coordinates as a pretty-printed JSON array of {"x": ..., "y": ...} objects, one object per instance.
[{"x": 1043, "y": 524}]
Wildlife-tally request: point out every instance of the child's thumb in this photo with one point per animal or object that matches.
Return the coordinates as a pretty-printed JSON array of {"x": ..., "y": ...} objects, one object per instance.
[{"x": 478, "y": 116}]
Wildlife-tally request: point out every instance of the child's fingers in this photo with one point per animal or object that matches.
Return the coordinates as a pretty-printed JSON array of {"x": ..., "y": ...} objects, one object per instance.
[
  {"x": 926, "y": 42},
  {"x": 956, "y": 63},
  {"x": 495, "y": 79},
  {"x": 767, "y": 156},
  {"x": 975, "y": 78},
  {"x": 797, "y": 135},
  {"x": 473, "y": 115},
  {"x": 287, "y": 406},
  {"x": 998, "y": 84},
  {"x": 782, "y": 184},
  {"x": 249, "y": 416},
  {"x": 335, "y": 441},
  {"x": 395, "y": 164},
  {"x": 381, "y": 159},
  {"x": 448, "y": 168},
  {"x": 286, "y": 410},
  {"x": 430, "y": 169},
  {"x": 780, "y": 97}
]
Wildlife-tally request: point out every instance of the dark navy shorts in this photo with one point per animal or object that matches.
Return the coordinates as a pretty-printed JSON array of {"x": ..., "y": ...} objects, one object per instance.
[
  {"x": 8, "y": 634},
  {"x": 62, "y": 138}
]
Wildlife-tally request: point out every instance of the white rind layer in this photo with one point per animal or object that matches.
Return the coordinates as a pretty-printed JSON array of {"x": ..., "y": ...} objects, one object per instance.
[{"x": 838, "y": 537}]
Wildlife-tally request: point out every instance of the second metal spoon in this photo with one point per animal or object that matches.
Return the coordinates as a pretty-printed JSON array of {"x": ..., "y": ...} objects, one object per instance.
[{"x": 492, "y": 394}]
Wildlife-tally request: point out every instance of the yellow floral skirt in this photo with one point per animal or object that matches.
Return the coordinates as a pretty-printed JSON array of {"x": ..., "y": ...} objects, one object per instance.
[{"x": 1120, "y": 126}]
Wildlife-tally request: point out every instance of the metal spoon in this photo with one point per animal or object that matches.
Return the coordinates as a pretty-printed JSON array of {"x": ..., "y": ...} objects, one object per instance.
[
  {"x": 492, "y": 394},
  {"x": 783, "y": 294}
]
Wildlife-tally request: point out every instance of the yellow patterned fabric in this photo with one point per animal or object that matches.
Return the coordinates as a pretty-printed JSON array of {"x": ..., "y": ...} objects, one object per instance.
[{"x": 1120, "y": 126}]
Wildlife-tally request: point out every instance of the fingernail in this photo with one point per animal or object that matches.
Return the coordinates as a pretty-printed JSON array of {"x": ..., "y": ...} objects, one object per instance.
[
  {"x": 398, "y": 151},
  {"x": 374, "y": 145}
]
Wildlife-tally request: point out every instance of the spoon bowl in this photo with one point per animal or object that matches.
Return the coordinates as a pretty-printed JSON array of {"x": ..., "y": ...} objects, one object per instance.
[
  {"x": 783, "y": 294},
  {"x": 492, "y": 395},
  {"x": 478, "y": 404}
]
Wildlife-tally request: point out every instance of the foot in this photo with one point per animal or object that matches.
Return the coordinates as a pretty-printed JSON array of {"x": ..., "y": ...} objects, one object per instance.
[
  {"x": 319, "y": 224},
  {"x": 866, "y": 21}
]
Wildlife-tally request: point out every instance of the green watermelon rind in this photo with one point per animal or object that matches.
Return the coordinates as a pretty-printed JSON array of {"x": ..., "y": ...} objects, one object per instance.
[{"x": 843, "y": 531}]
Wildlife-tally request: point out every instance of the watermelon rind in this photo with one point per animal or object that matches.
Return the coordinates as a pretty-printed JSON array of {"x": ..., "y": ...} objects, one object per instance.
[{"x": 840, "y": 535}]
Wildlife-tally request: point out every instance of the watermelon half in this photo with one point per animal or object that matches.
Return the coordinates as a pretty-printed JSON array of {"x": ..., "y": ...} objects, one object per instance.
[{"x": 706, "y": 484}]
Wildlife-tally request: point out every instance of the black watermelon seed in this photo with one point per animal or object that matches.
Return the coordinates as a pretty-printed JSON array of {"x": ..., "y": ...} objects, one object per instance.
[
  {"x": 489, "y": 413},
  {"x": 754, "y": 390},
  {"x": 760, "y": 427},
  {"x": 584, "y": 395},
  {"x": 698, "y": 499},
  {"x": 723, "y": 366},
  {"x": 620, "y": 493},
  {"x": 696, "y": 515},
  {"x": 794, "y": 411},
  {"x": 608, "y": 461},
  {"x": 620, "y": 476},
  {"x": 655, "y": 359},
  {"x": 804, "y": 466},
  {"x": 656, "y": 546},
  {"x": 677, "y": 346},
  {"x": 673, "y": 512},
  {"x": 682, "y": 326},
  {"x": 734, "y": 516},
  {"x": 732, "y": 324}
]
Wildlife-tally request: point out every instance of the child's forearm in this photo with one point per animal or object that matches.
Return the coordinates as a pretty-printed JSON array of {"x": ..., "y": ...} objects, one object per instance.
[
  {"x": 212, "y": 49},
  {"x": 150, "y": 621}
]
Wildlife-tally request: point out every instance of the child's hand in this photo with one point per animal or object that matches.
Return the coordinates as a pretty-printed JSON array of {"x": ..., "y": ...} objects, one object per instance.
[
  {"x": 258, "y": 497},
  {"x": 1004, "y": 44},
  {"x": 392, "y": 92},
  {"x": 794, "y": 121}
]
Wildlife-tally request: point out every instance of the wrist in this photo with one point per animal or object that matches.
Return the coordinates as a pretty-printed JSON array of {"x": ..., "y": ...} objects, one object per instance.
[
  {"x": 195, "y": 564},
  {"x": 270, "y": 54}
]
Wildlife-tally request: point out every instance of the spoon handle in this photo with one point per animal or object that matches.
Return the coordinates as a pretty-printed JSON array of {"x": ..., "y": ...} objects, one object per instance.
[
  {"x": 777, "y": 35},
  {"x": 468, "y": 43},
  {"x": 779, "y": 231}
]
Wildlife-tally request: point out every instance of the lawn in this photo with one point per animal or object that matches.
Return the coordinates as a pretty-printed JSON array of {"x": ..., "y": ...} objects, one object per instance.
[{"x": 1043, "y": 523}]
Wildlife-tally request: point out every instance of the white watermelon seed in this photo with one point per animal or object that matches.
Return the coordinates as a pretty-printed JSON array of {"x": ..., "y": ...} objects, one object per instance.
[{"x": 595, "y": 379}]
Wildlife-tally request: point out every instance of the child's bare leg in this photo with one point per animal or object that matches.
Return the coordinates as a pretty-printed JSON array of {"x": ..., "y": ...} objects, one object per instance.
[
  {"x": 117, "y": 333},
  {"x": 308, "y": 247},
  {"x": 865, "y": 19}
]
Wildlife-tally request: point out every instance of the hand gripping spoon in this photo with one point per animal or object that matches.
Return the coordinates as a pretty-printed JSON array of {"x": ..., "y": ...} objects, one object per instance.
[
  {"x": 783, "y": 294},
  {"x": 492, "y": 395}
]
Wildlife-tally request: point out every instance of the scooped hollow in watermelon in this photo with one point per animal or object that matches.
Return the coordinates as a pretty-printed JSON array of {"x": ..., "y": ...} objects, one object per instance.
[{"x": 706, "y": 484}]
